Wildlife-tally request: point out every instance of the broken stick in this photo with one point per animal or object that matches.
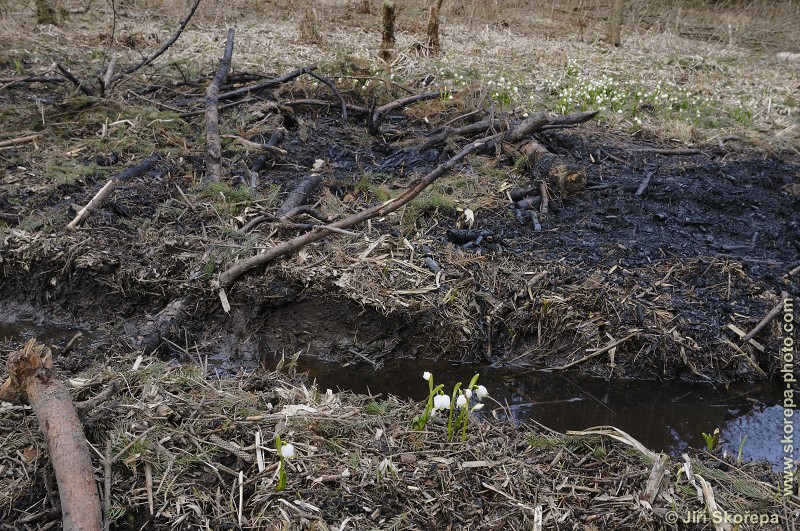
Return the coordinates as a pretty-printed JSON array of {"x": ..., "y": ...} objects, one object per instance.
[
  {"x": 213, "y": 148},
  {"x": 147, "y": 60},
  {"x": 100, "y": 197},
  {"x": 767, "y": 318},
  {"x": 31, "y": 376},
  {"x": 376, "y": 118}
]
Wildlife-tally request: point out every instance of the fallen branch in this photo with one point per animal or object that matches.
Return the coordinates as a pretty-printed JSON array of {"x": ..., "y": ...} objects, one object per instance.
[
  {"x": 105, "y": 81},
  {"x": 100, "y": 197},
  {"x": 335, "y": 93},
  {"x": 356, "y": 109},
  {"x": 376, "y": 117},
  {"x": 213, "y": 148},
  {"x": 256, "y": 145},
  {"x": 596, "y": 352},
  {"x": 31, "y": 377},
  {"x": 227, "y": 277},
  {"x": 14, "y": 142},
  {"x": 267, "y": 84},
  {"x": 274, "y": 139},
  {"x": 146, "y": 61},
  {"x": 663, "y": 151},
  {"x": 82, "y": 86},
  {"x": 767, "y": 318},
  {"x": 465, "y": 130}
]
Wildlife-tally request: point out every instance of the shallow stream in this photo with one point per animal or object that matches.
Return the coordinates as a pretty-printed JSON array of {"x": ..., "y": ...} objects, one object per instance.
[
  {"x": 664, "y": 416},
  {"x": 668, "y": 416}
]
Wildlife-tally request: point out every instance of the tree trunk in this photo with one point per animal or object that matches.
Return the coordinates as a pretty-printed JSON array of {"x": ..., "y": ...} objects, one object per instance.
[
  {"x": 46, "y": 12},
  {"x": 615, "y": 23},
  {"x": 434, "y": 45},
  {"x": 387, "y": 42}
]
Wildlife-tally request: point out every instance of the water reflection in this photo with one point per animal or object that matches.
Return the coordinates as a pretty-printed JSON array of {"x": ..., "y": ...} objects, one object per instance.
[{"x": 664, "y": 417}]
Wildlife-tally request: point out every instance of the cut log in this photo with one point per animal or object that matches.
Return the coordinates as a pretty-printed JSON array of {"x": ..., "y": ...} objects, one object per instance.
[
  {"x": 565, "y": 176},
  {"x": 31, "y": 378}
]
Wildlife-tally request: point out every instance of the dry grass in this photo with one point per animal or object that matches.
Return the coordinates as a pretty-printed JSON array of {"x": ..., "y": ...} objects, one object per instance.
[
  {"x": 186, "y": 455},
  {"x": 749, "y": 77}
]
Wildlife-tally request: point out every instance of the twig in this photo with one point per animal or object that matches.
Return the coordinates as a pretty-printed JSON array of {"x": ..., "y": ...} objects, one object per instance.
[
  {"x": 596, "y": 353},
  {"x": 545, "y": 201},
  {"x": 375, "y": 118},
  {"x": 466, "y": 130},
  {"x": 335, "y": 93},
  {"x": 256, "y": 145},
  {"x": 307, "y": 210},
  {"x": 357, "y": 109},
  {"x": 146, "y": 61},
  {"x": 11, "y": 81},
  {"x": 189, "y": 114},
  {"x": 126, "y": 174},
  {"x": 274, "y": 139},
  {"x": 14, "y": 142},
  {"x": 105, "y": 83},
  {"x": 213, "y": 148},
  {"x": 83, "y": 87},
  {"x": 267, "y": 84},
  {"x": 767, "y": 318},
  {"x": 87, "y": 405},
  {"x": 663, "y": 151}
]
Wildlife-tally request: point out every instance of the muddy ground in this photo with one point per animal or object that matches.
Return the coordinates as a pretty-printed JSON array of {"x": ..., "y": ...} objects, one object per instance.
[
  {"x": 709, "y": 242},
  {"x": 671, "y": 256}
]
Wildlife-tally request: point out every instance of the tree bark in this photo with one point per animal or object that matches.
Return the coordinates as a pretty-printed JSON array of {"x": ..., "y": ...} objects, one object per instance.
[
  {"x": 615, "y": 23},
  {"x": 31, "y": 377},
  {"x": 434, "y": 45},
  {"x": 388, "y": 42}
]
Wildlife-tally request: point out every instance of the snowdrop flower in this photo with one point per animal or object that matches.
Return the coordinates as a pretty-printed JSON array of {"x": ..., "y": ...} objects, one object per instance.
[
  {"x": 461, "y": 401},
  {"x": 468, "y": 393},
  {"x": 441, "y": 402},
  {"x": 481, "y": 392},
  {"x": 426, "y": 376},
  {"x": 478, "y": 406},
  {"x": 386, "y": 466},
  {"x": 287, "y": 450}
]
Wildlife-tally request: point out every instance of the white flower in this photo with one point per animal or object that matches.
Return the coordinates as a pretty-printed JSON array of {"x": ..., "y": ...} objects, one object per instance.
[
  {"x": 426, "y": 376},
  {"x": 477, "y": 407},
  {"x": 468, "y": 393},
  {"x": 287, "y": 451},
  {"x": 441, "y": 402},
  {"x": 386, "y": 466},
  {"x": 481, "y": 392},
  {"x": 461, "y": 401}
]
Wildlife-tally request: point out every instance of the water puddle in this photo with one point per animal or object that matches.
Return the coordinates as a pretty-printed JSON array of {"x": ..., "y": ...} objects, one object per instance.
[
  {"x": 664, "y": 417},
  {"x": 51, "y": 335}
]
